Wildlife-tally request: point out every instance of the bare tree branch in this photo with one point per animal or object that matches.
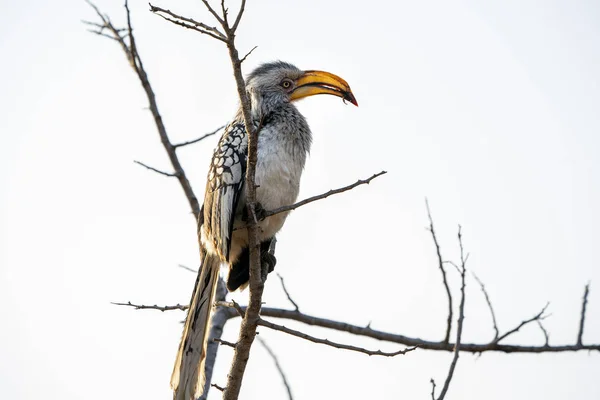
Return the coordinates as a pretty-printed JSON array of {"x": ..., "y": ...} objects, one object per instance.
[
  {"x": 187, "y": 268},
  {"x": 288, "y": 388},
  {"x": 226, "y": 343},
  {"x": 247, "y": 54},
  {"x": 214, "y": 13},
  {"x": 288, "y": 294},
  {"x": 461, "y": 318},
  {"x": 120, "y": 35},
  {"x": 423, "y": 344},
  {"x": 327, "y": 342},
  {"x": 256, "y": 283},
  {"x": 155, "y": 170},
  {"x": 537, "y": 317},
  {"x": 182, "y": 144},
  {"x": 217, "y": 325},
  {"x": 583, "y": 307},
  {"x": 136, "y": 63},
  {"x": 322, "y": 196},
  {"x": 489, "y": 303},
  {"x": 188, "y": 23},
  {"x": 239, "y": 17},
  {"x": 545, "y": 332},
  {"x": 443, "y": 271},
  {"x": 154, "y": 307},
  {"x": 219, "y": 388},
  {"x": 115, "y": 32}
]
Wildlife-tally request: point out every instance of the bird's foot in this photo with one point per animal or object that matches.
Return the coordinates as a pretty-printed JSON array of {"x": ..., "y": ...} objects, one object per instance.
[
  {"x": 268, "y": 264},
  {"x": 259, "y": 211}
]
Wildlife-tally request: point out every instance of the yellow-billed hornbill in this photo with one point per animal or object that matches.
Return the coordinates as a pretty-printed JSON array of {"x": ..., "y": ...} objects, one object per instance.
[{"x": 284, "y": 140}]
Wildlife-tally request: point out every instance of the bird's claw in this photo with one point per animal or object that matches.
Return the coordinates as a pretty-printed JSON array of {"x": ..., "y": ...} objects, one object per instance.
[
  {"x": 260, "y": 212},
  {"x": 268, "y": 264}
]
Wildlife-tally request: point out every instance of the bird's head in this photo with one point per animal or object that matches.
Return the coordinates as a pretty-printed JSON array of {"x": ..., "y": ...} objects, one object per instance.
[{"x": 278, "y": 82}]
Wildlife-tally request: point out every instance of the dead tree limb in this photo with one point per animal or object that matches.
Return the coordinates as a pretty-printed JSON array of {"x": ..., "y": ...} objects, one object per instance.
[
  {"x": 369, "y": 332},
  {"x": 586, "y": 292},
  {"x": 443, "y": 271},
  {"x": 489, "y": 303},
  {"x": 126, "y": 40},
  {"x": 128, "y": 45},
  {"x": 459, "y": 323},
  {"x": 269, "y": 213},
  {"x": 296, "y": 308},
  {"x": 322, "y": 196},
  {"x": 287, "y": 385},
  {"x": 328, "y": 342},
  {"x": 154, "y": 169},
  {"x": 187, "y": 143},
  {"x": 227, "y": 34}
]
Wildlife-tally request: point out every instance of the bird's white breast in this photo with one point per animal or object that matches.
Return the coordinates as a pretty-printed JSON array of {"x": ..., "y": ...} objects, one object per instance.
[{"x": 278, "y": 172}]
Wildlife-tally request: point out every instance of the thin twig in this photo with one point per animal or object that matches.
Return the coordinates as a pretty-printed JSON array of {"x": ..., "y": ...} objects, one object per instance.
[
  {"x": 461, "y": 319},
  {"x": 182, "y": 144},
  {"x": 288, "y": 388},
  {"x": 155, "y": 170},
  {"x": 328, "y": 342},
  {"x": 154, "y": 307},
  {"x": 247, "y": 54},
  {"x": 538, "y": 316},
  {"x": 225, "y": 12},
  {"x": 545, "y": 332},
  {"x": 443, "y": 271},
  {"x": 288, "y": 293},
  {"x": 489, "y": 303},
  {"x": 241, "y": 311},
  {"x": 213, "y": 12},
  {"x": 100, "y": 33},
  {"x": 136, "y": 63},
  {"x": 188, "y": 23},
  {"x": 225, "y": 343},
  {"x": 239, "y": 17},
  {"x": 220, "y": 388},
  {"x": 116, "y": 32},
  {"x": 187, "y": 268},
  {"x": 322, "y": 196},
  {"x": 583, "y": 307}
]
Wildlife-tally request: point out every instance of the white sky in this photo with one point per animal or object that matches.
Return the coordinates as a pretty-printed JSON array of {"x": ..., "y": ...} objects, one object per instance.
[{"x": 489, "y": 110}]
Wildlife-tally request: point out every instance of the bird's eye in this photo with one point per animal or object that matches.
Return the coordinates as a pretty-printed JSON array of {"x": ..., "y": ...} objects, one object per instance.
[{"x": 286, "y": 84}]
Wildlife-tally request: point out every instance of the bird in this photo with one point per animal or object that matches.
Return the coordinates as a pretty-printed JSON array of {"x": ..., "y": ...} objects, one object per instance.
[{"x": 284, "y": 141}]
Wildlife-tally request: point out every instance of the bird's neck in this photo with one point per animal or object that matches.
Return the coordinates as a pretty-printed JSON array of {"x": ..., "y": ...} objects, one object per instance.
[
  {"x": 291, "y": 127},
  {"x": 262, "y": 111}
]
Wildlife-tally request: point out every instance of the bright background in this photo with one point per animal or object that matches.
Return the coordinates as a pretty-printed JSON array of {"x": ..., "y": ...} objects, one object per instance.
[{"x": 490, "y": 109}]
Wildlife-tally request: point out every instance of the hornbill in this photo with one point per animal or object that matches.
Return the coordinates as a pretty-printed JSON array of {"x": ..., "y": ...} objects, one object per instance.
[{"x": 284, "y": 140}]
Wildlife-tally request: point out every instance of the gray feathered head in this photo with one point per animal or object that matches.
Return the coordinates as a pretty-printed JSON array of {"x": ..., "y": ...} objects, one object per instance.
[{"x": 272, "y": 84}]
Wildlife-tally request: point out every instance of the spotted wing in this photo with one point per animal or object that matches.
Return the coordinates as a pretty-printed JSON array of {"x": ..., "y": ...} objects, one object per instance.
[{"x": 226, "y": 177}]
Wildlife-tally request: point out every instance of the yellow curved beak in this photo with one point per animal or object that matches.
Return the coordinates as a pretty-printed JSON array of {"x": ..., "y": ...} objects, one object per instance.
[{"x": 321, "y": 82}]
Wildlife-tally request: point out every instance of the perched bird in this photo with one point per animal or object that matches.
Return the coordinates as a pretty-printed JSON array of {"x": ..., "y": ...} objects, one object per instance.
[{"x": 284, "y": 140}]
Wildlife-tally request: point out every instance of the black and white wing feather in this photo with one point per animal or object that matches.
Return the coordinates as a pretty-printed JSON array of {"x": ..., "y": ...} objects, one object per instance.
[{"x": 226, "y": 177}]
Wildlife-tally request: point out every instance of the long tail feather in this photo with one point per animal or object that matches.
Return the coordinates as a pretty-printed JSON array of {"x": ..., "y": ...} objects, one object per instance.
[{"x": 188, "y": 377}]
